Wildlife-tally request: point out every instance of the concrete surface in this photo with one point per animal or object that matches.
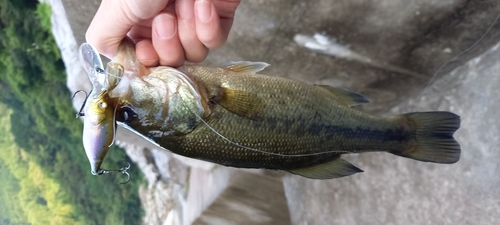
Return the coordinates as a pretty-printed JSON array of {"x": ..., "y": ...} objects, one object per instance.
[
  {"x": 418, "y": 35},
  {"x": 395, "y": 190},
  {"x": 422, "y": 36},
  {"x": 242, "y": 202}
]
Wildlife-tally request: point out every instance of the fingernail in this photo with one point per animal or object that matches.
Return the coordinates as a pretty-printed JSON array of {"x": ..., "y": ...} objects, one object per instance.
[
  {"x": 204, "y": 10},
  {"x": 166, "y": 26}
]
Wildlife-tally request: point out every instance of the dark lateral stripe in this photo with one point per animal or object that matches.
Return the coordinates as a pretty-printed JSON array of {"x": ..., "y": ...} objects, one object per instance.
[
  {"x": 300, "y": 129},
  {"x": 398, "y": 134}
]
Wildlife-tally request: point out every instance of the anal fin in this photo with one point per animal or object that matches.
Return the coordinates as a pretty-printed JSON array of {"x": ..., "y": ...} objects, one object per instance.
[
  {"x": 346, "y": 97},
  {"x": 333, "y": 169}
]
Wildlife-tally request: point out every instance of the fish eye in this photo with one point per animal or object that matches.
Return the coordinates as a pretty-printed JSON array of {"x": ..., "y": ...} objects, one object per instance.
[{"x": 126, "y": 114}]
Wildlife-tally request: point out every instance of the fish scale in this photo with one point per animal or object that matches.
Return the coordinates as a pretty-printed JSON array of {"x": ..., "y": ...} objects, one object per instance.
[{"x": 290, "y": 132}]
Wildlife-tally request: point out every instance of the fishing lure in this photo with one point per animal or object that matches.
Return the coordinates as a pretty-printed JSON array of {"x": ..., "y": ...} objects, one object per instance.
[{"x": 99, "y": 124}]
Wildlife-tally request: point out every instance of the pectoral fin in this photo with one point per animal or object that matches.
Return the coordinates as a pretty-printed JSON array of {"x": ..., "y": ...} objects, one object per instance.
[
  {"x": 127, "y": 58},
  {"x": 346, "y": 97},
  {"x": 240, "y": 102},
  {"x": 333, "y": 169},
  {"x": 246, "y": 66}
]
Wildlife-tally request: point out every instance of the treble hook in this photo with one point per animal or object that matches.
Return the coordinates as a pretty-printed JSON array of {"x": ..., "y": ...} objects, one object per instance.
[
  {"x": 80, "y": 113},
  {"x": 123, "y": 170}
]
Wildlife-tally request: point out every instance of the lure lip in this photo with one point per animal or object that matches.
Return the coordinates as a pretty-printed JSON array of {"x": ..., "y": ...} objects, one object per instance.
[{"x": 92, "y": 63}]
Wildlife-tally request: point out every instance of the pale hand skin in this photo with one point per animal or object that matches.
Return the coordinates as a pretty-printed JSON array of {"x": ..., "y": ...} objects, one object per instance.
[{"x": 166, "y": 32}]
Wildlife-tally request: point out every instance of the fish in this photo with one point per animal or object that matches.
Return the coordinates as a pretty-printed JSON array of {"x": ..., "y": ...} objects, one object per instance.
[{"x": 234, "y": 116}]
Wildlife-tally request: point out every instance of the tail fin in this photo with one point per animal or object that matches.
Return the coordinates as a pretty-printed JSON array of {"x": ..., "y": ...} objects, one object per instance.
[{"x": 433, "y": 133}]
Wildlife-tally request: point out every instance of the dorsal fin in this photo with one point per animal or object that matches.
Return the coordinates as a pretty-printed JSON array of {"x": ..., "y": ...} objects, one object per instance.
[
  {"x": 332, "y": 169},
  {"x": 247, "y": 66},
  {"x": 349, "y": 98},
  {"x": 240, "y": 102}
]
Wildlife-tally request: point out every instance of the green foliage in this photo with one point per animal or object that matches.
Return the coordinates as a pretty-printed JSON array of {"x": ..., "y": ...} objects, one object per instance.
[
  {"x": 43, "y": 12},
  {"x": 47, "y": 169},
  {"x": 28, "y": 195}
]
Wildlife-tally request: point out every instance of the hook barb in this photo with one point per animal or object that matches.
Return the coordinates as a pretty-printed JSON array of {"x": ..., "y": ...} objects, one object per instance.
[{"x": 123, "y": 170}]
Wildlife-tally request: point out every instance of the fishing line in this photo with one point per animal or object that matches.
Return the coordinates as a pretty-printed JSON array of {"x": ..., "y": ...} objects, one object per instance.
[
  {"x": 116, "y": 105},
  {"x": 253, "y": 149},
  {"x": 114, "y": 124},
  {"x": 106, "y": 86},
  {"x": 183, "y": 101},
  {"x": 454, "y": 58}
]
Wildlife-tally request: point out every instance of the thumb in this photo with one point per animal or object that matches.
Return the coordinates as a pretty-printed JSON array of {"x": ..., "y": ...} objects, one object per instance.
[
  {"x": 115, "y": 18},
  {"x": 108, "y": 27}
]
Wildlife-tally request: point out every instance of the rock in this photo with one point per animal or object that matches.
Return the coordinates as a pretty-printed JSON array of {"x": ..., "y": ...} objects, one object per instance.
[{"x": 162, "y": 203}]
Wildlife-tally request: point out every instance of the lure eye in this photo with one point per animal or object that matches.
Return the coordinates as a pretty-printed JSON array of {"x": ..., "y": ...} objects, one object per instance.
[
  {"x": 103, "y": 105},
  {"x": 126, "y": 114}
]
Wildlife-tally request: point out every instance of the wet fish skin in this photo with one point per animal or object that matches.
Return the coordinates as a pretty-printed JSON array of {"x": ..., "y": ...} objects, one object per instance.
[{"x": 235, "y": 117}]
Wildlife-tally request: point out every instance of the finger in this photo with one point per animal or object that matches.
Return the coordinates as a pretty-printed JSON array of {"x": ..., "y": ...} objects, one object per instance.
[
  {"x": 146, "y": 54},
  {"x": 138, "y": 32},
  {"x": 226, "y": 10},
  {"x": 114, "y": 22},
  {"x": 208, "y": 26},
  {"x": 114, "y": 19},
  {"x": 166, "y": 41},
  {"x": 194, "y": 49}
]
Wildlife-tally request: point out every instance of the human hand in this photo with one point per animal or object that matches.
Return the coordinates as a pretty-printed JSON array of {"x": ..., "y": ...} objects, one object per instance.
[{"x": 166, "y": 32}]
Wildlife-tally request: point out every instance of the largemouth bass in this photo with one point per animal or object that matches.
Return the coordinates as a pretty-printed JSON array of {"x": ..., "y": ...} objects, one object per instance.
[{"x": 235, "y": 117}]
